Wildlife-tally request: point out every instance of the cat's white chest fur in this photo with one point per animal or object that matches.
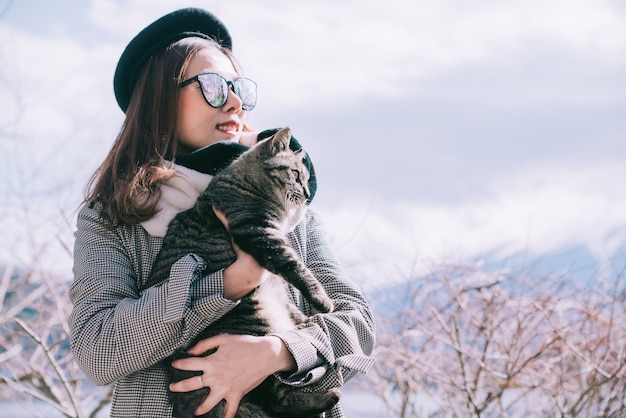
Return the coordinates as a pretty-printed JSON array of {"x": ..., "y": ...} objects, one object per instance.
[
  {"x": 272, "y": 298},
  {"x": 295, "y": 214}
]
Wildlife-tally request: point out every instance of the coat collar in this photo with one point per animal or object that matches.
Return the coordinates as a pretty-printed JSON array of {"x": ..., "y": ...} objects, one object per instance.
[{"x": 178, "y": 193}]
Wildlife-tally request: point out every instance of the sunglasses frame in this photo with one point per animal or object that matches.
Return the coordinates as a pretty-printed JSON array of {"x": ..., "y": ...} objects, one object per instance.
[{"x": 230, "y": 85}]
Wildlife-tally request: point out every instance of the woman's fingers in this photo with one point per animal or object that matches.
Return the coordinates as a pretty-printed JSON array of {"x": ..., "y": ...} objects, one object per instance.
[
  {"x": 215, "y": 397},
  {"x": 209, "y": 403},
  {"x": 189, "y": 364},
  {"x": 220, "y": 215},
  {"x": 222, "y": 218},
  {"x": 187, "y": 385},
  {"x": 231, "y": 408},
  {"x": 238, "y": 364},
  {"x": 211, "y": 343}
]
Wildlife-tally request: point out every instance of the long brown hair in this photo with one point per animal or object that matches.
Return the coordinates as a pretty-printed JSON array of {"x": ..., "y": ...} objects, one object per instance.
[{"x": 126, "y": 184}]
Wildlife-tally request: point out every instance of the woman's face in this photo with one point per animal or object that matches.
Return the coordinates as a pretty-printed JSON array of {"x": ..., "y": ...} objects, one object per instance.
[{"x": 199, "y": 124}]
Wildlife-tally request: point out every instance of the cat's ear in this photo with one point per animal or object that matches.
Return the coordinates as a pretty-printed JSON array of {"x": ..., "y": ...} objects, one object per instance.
[
  {"x": 280, "y": 141},
  {"x": 300, "y": 153}
]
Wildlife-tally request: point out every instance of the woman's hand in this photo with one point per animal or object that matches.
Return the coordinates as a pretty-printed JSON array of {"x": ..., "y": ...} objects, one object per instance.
[
  {"x": 249, "y": 138},
  {"x": 241, "y": 363},
  {"x": 244, "y": 275}
]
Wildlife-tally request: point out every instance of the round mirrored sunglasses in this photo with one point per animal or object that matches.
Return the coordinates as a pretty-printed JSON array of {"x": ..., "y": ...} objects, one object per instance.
[{"x": 215, "y": 89}]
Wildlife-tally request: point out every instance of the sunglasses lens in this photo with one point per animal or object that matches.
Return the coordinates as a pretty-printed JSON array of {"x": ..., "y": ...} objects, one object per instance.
[
  {"x": 214, "y": 89},
  {"x": 246, "y": 90}
]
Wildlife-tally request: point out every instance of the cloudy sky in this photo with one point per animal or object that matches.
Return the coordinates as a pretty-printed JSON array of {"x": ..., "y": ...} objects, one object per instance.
[{"x": 441, "y": 130}]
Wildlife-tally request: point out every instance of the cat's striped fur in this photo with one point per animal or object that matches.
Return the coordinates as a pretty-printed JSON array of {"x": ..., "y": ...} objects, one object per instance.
[{"x": 262, "y": 194}]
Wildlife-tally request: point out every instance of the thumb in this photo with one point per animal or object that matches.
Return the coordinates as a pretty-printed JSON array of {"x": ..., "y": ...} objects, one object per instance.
[
  {"x": 231, "y": 408},
  {"x": 220, "y": 215}
]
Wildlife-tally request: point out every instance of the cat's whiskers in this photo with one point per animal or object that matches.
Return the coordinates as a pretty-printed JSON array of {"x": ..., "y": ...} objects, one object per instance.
[{"x": 291, "y": 200}]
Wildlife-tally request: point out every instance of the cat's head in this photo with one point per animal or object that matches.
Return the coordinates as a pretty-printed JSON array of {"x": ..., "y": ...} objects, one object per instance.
[
  {"x": 281, "y": 173},
  {"x": 285, "y": 167}
]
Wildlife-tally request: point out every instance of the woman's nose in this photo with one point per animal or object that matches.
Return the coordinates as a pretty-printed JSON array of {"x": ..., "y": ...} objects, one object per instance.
[{"x": 233, "y": 102}]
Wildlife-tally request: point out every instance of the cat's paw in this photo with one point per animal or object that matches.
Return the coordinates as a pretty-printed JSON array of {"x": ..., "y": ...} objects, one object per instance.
[
  {"x": 321, "y": 302},
  {"x": 325, "y": 401},
  {"x": 291, "y": 402}
]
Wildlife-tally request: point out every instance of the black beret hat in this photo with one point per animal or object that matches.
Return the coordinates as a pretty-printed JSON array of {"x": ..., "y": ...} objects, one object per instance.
[{"x": 159, "y": 34}]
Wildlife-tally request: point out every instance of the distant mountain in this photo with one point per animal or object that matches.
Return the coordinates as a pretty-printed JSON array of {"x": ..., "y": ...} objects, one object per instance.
[{"x": 578, "y": 262}]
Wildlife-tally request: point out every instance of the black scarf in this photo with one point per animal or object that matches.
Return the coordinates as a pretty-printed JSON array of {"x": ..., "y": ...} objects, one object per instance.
[{"x": 215, "y": 157}]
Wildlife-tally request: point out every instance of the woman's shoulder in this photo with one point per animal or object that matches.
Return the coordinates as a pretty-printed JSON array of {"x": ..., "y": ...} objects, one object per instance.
[
  {"x": 96, "y": 213},
  {"x": 96, "y": 231},
  {"x": 310, "y": 226},
  {"x": 93, "y": 211},
  {"x": 312, "y": 218},
  {"x": 94, "y": 216}
]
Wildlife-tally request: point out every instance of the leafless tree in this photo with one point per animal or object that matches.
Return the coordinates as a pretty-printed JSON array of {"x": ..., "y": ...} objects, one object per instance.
[
  {"x": 35, "y": 359},
  {"x": 464, "y": 342}
]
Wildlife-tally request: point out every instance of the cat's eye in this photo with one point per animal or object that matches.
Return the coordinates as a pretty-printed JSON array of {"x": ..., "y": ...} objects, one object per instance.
[{"x": 215, "y": 89}]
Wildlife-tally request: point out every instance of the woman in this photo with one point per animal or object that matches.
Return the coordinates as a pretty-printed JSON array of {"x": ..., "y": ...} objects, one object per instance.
[{"x": 120, "y": 334}]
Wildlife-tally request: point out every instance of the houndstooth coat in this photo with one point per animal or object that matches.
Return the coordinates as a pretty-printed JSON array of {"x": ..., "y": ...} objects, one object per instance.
[{"x": 119, "y": 335}]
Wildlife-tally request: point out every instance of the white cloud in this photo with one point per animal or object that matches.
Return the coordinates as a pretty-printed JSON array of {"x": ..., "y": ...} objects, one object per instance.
[
  {"x": 350, "y": 50},
  {"x": 537, "y": 211},
  {"x": 59, "y": 107},
  {"x": 306, "y": 52},
  {"x": 330, "y": 54}
]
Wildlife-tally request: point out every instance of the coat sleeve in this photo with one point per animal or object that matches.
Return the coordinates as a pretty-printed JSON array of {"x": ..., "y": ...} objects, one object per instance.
[
  {"x": 337, "y": 345},
  {"x": 114, "y": 329}
]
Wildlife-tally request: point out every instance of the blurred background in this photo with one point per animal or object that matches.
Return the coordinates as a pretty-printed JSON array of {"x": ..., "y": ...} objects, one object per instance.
[
  {"x": 441, "y": 130},
  {"x": 487, "y": 133}
]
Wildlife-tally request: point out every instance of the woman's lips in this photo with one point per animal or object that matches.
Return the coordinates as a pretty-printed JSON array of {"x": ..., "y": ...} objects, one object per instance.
[{"x": 229, "y": 127}]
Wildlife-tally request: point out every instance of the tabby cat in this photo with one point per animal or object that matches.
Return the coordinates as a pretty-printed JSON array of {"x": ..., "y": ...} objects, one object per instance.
[{"x": 262, "y": 193}]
